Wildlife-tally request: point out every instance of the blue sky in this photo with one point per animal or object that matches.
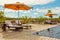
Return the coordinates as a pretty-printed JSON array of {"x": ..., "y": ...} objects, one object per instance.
[{"x": 40, "y": 8}]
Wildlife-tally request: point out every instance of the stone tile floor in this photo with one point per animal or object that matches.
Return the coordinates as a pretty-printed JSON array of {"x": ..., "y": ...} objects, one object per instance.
[
  {"x": 18, "y": 35},
  {"x": 26, "y": 34}
]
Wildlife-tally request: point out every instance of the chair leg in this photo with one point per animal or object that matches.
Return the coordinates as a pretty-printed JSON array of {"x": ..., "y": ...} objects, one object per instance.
[
  {"x": 30, "y": 27},
  {"x": 18, "y": 28},
  {"x": 8, "y": 27},
  {"x": 26, "y": 27}
]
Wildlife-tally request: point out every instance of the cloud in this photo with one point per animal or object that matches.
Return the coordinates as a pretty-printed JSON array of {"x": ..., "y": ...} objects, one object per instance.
[
  {"x": 41, "y": 10},
  {"x": 8, "y": 15},
  {"x": 56, "y": 10},
  {"x": 9, "y": 10},
  {"x": 46, "y": 1},
  {"x": 31, "y": 2},
  {"x": 35, "y": 13}
]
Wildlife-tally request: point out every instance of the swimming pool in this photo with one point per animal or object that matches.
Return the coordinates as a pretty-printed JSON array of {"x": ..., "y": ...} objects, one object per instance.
[{"x": 50, "y": 32}]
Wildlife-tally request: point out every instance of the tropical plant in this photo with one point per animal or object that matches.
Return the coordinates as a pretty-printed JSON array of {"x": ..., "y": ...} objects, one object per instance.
[
  {"x": 24, "y": 19},
  {"x": 2, "y": 17}
]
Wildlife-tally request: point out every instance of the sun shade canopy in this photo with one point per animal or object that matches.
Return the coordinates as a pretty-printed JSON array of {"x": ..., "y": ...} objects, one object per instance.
[
  {"x": 17, "y": 6},
  {"x": 50, "y": 14}
]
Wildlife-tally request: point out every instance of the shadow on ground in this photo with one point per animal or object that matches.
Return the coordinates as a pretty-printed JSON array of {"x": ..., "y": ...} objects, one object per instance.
[{"x": 50, "y": 32}]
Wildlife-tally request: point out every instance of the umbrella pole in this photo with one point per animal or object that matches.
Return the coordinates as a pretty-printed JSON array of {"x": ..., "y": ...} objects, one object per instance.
[
  {"x": 18, "y": 13},
  {"x": 18, "y": 16}
]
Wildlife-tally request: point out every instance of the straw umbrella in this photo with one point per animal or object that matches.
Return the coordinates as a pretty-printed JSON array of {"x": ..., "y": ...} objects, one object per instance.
[
  {"x": 50, "y": 14},
  {"x": 17, "y": 6}
]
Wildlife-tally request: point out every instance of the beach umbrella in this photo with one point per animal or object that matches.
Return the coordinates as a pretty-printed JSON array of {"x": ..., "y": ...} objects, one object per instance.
[
  {"x": 50, "y": 14},
  {"x": 17, "y": 6}
]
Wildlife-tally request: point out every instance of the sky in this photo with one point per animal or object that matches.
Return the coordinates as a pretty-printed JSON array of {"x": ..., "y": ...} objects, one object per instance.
[{"x": 40, "y": 8}]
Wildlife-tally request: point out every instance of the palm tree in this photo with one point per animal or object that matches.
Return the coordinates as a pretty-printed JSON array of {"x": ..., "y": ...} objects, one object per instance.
[
  {"x": 2, "y": 17},
  {"x": 24, "y": 19}
]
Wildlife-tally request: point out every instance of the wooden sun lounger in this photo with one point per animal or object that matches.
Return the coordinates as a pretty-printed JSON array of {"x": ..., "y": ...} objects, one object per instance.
[
  {"x": 27, "y": 26},
  {"x": 10, "y": 25}
]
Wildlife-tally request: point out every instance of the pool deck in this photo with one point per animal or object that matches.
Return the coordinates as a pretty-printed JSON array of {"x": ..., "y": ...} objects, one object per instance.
[{"x": 27, "y": 34}]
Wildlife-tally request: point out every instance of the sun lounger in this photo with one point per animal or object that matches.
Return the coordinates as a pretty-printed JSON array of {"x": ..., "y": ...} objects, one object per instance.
[
  {"x": 24, "y": 25},
  {"x": 10, "y": 25}
]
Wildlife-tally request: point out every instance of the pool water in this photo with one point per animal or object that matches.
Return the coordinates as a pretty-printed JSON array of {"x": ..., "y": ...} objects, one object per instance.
[{"x": 50, "y": 32}]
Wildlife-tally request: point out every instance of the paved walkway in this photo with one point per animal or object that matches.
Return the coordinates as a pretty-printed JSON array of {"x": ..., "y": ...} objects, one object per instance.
[{"x": 26, "y": 34}]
